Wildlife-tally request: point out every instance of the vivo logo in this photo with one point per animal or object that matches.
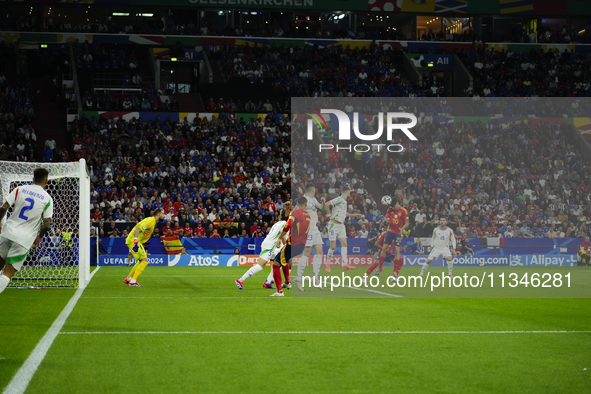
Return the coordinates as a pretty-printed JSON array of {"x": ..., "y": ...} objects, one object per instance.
[{"x": 415, "y": 260}]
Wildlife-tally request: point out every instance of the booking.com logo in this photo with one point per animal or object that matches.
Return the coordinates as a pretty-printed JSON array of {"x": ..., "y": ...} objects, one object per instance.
[{"x": 344, "y": 130}]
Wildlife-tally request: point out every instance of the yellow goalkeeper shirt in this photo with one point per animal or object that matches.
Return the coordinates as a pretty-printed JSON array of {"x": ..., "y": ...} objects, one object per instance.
[{"x": 146, "y": 227}]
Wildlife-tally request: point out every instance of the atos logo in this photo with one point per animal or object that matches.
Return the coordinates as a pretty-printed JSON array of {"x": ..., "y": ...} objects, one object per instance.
[{"x": 206, "y": 261}]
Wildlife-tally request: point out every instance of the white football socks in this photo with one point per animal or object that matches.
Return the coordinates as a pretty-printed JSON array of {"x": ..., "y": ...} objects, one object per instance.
[
  {"x": 329, "y": 256},
  {"x": 344, "y": 258},
  {"x": 270, "y": 278},
  {"x": 4, "y": 280},
  {"x": 425, "y": 266},
  {"x": 253, "y": 270},
  {"x": 316, "y": 264},
  {"x": 450, "y": 267},
  {"x": 302, "y": 262}
]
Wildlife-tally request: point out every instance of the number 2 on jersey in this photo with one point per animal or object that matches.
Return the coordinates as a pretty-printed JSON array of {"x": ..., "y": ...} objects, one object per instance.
[{"x": 26, "y": 208}]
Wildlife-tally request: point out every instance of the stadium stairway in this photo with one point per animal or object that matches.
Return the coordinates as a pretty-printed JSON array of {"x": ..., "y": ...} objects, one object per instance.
[
  {"x": 216, "y": 70},
  {"x": 146, "y": 71},
  {"x": 52, "y": 110}
]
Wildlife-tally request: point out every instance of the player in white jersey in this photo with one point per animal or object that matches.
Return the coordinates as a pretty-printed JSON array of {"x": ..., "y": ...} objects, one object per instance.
[
  {"x": 31, "y": 207},
  {"x": 442, "y": 236},
  {"x": 336, "y": 228},
  {"x": 272, "y": 243},
  {"x": 314, "y": 236}
]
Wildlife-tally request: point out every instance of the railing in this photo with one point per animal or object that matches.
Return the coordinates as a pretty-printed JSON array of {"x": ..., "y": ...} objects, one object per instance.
[
  {"x": 524, "y": 246},
  {"x": 118, "y": 83},
  {"x": 170, "y": 40},
  {"x": 75, "y": 76}
]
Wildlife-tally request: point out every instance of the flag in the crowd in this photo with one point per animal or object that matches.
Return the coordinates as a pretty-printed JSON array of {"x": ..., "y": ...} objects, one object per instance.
[
  {"x": 492, "y": 242},
  {"x": 172, "y": 245}
]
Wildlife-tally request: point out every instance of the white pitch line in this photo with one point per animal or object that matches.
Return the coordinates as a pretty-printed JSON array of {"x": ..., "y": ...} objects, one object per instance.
[
  {"x": 21, "y": 380},
  {"x": 245, "y": 298},
  {"x": 375, "y": 291},
  {"x": 178, "y": 276},
  {"x": 317, "y": 332}
]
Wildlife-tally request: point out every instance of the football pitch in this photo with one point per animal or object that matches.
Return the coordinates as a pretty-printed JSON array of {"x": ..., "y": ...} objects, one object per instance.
[{"x": 191, "y": 330}]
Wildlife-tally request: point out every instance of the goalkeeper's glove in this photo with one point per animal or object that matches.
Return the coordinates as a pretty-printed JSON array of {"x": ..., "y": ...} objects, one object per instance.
[{"x": 136, "y": 246}]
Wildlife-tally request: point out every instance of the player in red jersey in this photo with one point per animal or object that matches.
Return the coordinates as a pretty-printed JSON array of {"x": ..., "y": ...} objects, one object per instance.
[
  {"x": 380, "y": 244},
  {"x": 298, "y": 226},
  {"x": 397, "y": 218}
]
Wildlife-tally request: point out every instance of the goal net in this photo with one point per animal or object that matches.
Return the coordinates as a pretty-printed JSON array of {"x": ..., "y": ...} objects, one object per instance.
[{"x": 62, "y": 259}]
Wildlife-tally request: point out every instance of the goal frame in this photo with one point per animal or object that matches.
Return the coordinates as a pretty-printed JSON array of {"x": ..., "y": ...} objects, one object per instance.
[{"x": 81, "y": 173}]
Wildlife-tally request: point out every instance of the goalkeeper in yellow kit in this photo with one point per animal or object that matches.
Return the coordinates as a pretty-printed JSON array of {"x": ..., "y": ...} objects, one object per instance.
[{"x": 138, "y": 236}]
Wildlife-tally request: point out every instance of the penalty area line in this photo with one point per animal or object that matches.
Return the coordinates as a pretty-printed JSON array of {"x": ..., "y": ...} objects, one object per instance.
[
  {"x": 316, "y": 332},
  {"x": 21, "y": 380}
]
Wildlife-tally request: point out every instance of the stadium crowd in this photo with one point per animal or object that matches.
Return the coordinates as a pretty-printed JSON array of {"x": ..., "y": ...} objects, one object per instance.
[
  {"x": 65, "y": 25},
  {"x": 184, "y": 23},
  {"x": 208, "y": 170},
  {"x": 144, "y": 100},
  {"x": 230, "y": 177},
  {"x": 534, "y": 186},
  {"x": 18, "y": 140},
  {"x": 488, "y": 180},
  {"x": 98, "y": 56},
  {"x": 494, "y": 181},
  {"x": 319, "y": 72},
  {"x": 535, "y": 73}
]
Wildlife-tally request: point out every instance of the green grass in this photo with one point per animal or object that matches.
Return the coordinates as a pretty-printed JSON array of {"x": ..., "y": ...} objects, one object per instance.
[
  {"x": 195, "y": 299},
  {"x": 497, "y": 282},
  {"x": 25, "y": 316}
]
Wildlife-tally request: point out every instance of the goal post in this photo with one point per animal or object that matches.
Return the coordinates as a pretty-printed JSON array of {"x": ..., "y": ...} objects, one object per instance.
[{"x": 62, "y": 259}]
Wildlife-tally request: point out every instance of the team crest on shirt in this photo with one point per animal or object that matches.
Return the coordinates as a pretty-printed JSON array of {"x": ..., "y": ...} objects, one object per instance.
[{"x": 395, "y": 216}]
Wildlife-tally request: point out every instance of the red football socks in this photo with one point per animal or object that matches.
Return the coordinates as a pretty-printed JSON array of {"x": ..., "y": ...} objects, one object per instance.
[
  {"x": 398, "y": 265},
  {"x": 382, "y": 259},
  {"x": 371, "y": 268},
  {"x": 277, "y": 278},
  {"x": 285, "y": 272}
]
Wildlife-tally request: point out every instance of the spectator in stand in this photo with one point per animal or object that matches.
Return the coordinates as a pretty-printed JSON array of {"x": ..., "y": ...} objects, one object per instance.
[
  {"x": 415, "y": 247},
  {"x": 292, "y": 79},
  {"x": 187, "y": 231},
  {"x": 270, "y": 206},
  {"x": 211, "y": 105},
  {"x": 509, "y": 233},
  {"x": 176, "y": 228},
  {"x": 199, "y": 231},
  {"x": 585, "y": 252},
  {"x": 145, "y": 106},
  {"x": 48, "y": 153}
]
